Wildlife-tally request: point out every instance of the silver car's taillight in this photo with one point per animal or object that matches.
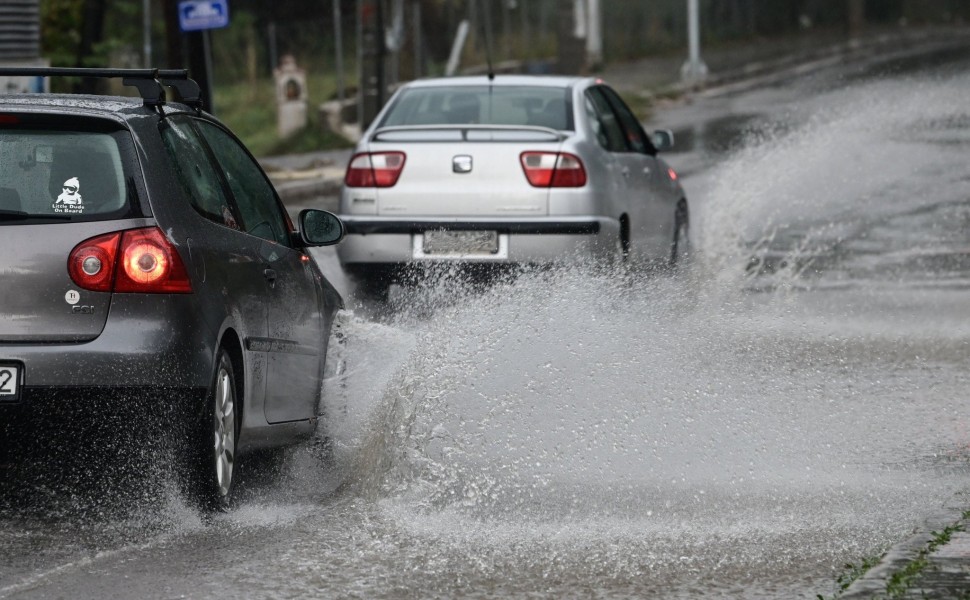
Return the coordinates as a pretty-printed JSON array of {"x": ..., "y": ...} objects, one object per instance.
[
  {"x": 374, "y": 169},
  {"x": 553, "y": 169}
]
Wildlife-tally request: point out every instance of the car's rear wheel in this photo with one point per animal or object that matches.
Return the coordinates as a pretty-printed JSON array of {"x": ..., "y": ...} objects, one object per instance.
[
  {"x": 215, "y": 456},
  {"x": 680, "y": 245},
  {"x": 624, "y": 241},
  {"x": 371, "y": 282},
  {"x": 372, "y": 289}
]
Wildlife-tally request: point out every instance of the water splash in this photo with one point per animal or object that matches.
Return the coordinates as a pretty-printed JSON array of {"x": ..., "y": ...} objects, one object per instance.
[
  {"x": 589, "y": 428},
  {"x": 835, "y": 195}
]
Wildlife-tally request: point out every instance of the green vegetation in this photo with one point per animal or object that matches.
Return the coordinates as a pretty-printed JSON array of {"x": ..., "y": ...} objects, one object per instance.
[
  {"x": 250, "y": 111},
  {"x": 850, "y": 574},
  {"x": 899, "y": 582}
]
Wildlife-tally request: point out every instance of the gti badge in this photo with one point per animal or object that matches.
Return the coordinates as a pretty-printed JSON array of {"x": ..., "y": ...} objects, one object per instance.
[{"x": 461, "y": 164}]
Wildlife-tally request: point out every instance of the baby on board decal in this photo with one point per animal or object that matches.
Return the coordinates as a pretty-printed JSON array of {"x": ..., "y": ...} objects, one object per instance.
[{"x": 70, "y": 199}]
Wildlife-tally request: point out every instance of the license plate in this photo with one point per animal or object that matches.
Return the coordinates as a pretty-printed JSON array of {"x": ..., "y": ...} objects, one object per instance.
[
  {"x": 9, "y": 382},
  {"x": 460, "y": 242}
]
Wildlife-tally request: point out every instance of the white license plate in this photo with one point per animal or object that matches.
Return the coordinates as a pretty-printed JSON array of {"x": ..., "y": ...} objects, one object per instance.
[
  {"x": 9, "y": 383},
  {"x": 460, "y": 242}
]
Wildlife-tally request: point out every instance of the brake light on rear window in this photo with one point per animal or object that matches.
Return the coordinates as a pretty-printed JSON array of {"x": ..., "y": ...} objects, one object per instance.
[
  {"x": 553, "y": 169},
  {"x": 375, "y": 169},
  {"x": 137, "y": 261}
]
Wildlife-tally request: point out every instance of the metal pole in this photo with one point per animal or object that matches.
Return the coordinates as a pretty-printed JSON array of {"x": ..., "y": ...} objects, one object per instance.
[
  {"x": 694, "y": 70},
  {"x": 274, "y": 59},
  {"x": 418, "y": 39},
  {"x": 207, "y": 48},
  {"x": 594, "y": 37},
  {"x": 456, "y": 47},
  {"x": 146, "y": 8},
  {"x": 339, "y": 51}
]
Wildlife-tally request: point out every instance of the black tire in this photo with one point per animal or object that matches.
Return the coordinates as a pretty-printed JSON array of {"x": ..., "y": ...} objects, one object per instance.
[
  {"x": 624, "y": 241},
  {"x": 372, "y": 289},
  {"x": 215, "y": 439},
  {"x": 372, "y": 283},
  {"x": 680, "y": 245}
]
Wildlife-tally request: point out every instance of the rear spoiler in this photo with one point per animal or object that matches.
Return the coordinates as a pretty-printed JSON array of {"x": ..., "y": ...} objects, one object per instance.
[{"x": 466, "y": 133}]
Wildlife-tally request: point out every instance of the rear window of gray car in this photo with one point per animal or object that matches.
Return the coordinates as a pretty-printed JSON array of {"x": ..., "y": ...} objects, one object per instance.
[
  {"x": 61, "y": 174},
  {"x": 483, "y": 105}
]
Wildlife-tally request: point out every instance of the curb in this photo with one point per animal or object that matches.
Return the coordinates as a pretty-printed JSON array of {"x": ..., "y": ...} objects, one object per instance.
[
  {"x": 873, "y": 584},
  {"x": 300, "y": 192},
  {"x": 897, "y": 43}
]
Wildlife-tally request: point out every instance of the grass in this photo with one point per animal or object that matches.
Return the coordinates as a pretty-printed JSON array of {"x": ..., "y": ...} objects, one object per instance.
[
  {"x": 899, "y": 582},
  {"x": 250, "y": 111},
  {"x": 850, "y": 574}
]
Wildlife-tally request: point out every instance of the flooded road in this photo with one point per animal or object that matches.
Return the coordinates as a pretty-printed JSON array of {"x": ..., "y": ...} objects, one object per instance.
[{"x": 794, "y": 401}]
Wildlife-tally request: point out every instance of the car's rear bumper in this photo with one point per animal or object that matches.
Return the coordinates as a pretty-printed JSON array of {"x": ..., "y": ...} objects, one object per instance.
[
  {"x": 522, "y": 240},
  {"x": 146, "y": 342}
]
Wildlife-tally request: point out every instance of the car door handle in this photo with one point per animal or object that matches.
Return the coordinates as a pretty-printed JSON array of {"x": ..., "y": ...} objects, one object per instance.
[
  {"x": 270, "y": 275},
  {"x": 646, "y": 170},
  {"x": 625, "y": 171}
]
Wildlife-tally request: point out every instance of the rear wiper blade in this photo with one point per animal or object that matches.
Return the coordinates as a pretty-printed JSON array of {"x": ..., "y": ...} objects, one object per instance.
[{"x": 19, "y": 215}]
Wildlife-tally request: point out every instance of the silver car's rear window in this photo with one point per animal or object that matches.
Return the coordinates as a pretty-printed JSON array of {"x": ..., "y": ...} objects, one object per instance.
[
  {"x": 540, "y": 106},
  {"x": 69, "y": 174}
]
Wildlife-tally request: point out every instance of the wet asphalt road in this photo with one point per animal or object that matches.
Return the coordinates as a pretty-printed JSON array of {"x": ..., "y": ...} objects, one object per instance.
[{"x": 794, "y": 401}]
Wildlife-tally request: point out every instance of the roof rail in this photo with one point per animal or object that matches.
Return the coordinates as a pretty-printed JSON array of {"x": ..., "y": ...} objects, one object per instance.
[{"x": 148, "y": 81}]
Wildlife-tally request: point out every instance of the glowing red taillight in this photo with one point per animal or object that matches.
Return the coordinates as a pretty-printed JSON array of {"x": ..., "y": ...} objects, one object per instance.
[
  {"x": 553, "y": 169},
  {"x": 375, "y": 169},
  {"x": 137, "y": 260}
]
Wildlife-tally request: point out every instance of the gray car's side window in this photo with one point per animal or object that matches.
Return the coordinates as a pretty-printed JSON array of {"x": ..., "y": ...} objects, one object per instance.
[
  {"x": 255, "y": 196},
  {"x": 196, "y": 172}
]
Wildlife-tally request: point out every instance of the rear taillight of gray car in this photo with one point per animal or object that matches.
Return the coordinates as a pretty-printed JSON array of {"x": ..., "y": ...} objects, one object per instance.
[{"x": 133, "y": 261}]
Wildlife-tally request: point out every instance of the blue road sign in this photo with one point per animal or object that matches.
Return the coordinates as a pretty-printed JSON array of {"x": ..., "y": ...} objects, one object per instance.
[{"x": 196, "y": 15}]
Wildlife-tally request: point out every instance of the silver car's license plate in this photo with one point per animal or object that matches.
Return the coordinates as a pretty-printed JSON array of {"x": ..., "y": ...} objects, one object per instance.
[
  {"x": 9, "y": 382},
  {"x": 460, "y": 242}
]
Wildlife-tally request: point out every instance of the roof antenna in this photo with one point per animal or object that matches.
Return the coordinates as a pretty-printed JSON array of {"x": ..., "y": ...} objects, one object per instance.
[{"x": 487, "y": 37}]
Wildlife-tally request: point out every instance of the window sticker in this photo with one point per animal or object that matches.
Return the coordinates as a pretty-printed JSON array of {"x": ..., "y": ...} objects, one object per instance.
[{"x": 70, "y": 199}]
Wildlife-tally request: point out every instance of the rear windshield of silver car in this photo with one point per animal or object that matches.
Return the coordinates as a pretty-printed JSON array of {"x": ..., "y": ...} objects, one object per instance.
[
  {"x": 538, "y": 106},
  {"x": 59, "y": 175}
]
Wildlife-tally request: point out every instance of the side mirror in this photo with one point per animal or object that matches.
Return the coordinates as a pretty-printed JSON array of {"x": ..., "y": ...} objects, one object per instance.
[
  {"x": 663, "y": 139},
  {"x": 320, "y": 228}
]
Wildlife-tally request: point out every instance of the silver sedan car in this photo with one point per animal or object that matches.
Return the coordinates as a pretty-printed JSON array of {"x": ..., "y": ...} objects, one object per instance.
[{"x": 510, "y": 169}]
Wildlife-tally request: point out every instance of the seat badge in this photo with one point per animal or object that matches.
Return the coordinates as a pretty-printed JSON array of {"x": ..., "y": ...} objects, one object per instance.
[{"x": 461, "y": 163}]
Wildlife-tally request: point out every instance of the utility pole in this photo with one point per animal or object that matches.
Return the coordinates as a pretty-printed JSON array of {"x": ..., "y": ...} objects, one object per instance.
[
  {"x": 594, "y": 34},
  {"x": 338, "y": 41},
  {"x": 857, "y": 16},
  {"x": 372, "y": 53},
  {"x": 694, "y": 70},
  {"x": 146, "y": 8}
]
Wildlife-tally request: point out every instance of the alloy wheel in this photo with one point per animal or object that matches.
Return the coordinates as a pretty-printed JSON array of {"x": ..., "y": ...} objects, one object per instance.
[{"x": 224, "y": 422}]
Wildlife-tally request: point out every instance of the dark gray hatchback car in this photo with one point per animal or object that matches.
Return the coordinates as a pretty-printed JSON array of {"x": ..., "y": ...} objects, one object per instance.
[{"x": 144, "y": 251}]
